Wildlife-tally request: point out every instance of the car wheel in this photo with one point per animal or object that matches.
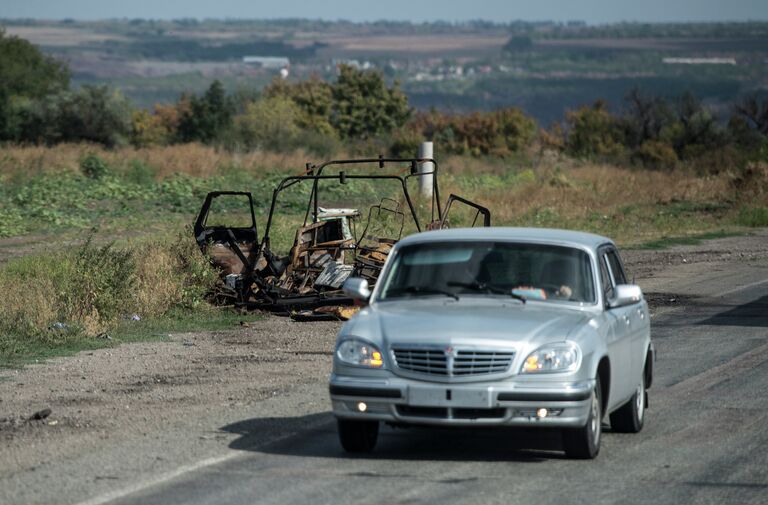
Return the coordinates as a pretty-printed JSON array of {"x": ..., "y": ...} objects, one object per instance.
[
  {"x": 629, "y": 417},
  {"x": 584, "y": 442},
  {"x": 358, "y": 436}
]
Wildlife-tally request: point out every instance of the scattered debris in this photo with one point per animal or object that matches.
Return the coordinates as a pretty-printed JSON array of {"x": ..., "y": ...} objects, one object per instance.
[
  {"x": 58, "y": 325},
  {"x": 40, "y": 415},
  {"x": 327, "y": 247}
]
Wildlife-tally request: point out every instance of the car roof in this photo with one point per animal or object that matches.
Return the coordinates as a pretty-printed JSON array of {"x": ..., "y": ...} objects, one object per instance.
[{"x": 536, "y": 235}]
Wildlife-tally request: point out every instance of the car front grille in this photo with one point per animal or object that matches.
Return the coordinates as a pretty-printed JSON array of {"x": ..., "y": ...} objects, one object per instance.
[
  {"x": 454, "y": 413},
  {"x": 449, "y": 362}
]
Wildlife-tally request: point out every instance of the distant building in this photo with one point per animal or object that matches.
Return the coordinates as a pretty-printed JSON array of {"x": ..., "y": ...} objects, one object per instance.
[
  {"x": 700, "y": 61},
  {"x": 268, "y": 61}
]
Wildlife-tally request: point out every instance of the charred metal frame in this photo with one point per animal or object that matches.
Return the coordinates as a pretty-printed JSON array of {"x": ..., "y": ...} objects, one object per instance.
[
  {"x": 315, "y": 173},
  {"x": 274, "y": 298}
]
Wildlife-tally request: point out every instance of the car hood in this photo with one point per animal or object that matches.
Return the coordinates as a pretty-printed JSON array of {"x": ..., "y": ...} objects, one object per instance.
[{"x": 466, "y": 322}]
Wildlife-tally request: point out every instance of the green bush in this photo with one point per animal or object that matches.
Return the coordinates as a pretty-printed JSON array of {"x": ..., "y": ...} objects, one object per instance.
[
  {"x": 140, "y": 173},
  {"x": 94, "y": 167},
  {"x": 593, "y": 132}
]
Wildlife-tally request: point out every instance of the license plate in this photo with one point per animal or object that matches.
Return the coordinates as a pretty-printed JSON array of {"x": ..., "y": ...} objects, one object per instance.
[{"x": 440, "y": 397}]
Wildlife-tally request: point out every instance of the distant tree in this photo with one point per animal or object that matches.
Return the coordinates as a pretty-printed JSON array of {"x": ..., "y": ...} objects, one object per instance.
[
  {"x": 205, "y": 118},
  {"x": 26, "y": 74},
  {"x": 645, "y": 118},
  {"x": 696, "y": 130},
  {"x": 92, "y": 114},
  {"x": 270, "y": 124},
  {"x": 313, "y": 96},
  {"x": 592, "y": 131},
  {"x": 364, "y": 106},
  {"x": 518, "y": 43},
  {"x": 754, "y": 111}
]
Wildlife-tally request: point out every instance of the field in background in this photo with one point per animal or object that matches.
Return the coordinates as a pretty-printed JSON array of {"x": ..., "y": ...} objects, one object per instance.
[{"x": 545, "y": 68}]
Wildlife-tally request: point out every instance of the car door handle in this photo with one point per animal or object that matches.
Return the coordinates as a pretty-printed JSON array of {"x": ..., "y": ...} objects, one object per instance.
[
  {"x": 627, "y": 320},
  {"x": 641, "y": 313}
]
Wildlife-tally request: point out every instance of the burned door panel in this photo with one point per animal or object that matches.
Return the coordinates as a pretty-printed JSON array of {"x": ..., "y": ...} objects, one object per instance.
[
  {"x": 226, "y": 231},
  {"x": 466, "y": 214}
]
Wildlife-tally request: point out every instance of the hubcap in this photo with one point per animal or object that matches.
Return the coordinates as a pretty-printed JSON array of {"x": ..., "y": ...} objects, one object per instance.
[
  {"x": 640, "y": 400},
  {"x": 596, "y": 421}
]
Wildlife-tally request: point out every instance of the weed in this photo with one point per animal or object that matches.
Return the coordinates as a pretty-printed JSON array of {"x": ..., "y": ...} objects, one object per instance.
[
  {"x": 94, "y": 167},
  {"x": 63, "y": 299}
]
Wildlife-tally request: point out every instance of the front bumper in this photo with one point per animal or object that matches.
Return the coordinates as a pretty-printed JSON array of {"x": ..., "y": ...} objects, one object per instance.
[{"x": 407, "y": 401}]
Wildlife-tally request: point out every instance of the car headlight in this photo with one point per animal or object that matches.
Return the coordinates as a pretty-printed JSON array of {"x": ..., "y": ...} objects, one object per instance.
[
  {"x": 357, "y": 352},
  {"x": 553, "y": 358}
]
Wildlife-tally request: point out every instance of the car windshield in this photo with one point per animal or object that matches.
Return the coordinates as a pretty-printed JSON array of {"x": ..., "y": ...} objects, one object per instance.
[{"x": 530, "y": 271}]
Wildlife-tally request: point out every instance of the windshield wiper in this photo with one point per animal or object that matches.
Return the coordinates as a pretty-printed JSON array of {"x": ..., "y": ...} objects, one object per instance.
[
  {"x": 481, "y": 286},
  {"x": 423, "y": 290}
]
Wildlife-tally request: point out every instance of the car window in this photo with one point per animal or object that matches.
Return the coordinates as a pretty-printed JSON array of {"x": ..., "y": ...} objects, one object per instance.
[
  {"x": 616, "y": 268},
  {"x": 605, "y": 278},
  {"x": 537, "y": 271}
]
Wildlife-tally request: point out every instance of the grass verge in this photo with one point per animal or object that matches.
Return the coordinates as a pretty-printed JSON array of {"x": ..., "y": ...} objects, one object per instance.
[
  {"x": 159, "y": 328},
  {"x": 666, "y": 242}
]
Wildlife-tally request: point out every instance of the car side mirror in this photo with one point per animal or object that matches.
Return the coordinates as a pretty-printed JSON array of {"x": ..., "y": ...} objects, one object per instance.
[
  {"x": 625, "y": 294},
  {"x": 357, "y": 288}
]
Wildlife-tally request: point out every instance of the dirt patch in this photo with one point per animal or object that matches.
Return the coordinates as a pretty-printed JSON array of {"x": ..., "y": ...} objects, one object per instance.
[{"x": 140, "y": 388}]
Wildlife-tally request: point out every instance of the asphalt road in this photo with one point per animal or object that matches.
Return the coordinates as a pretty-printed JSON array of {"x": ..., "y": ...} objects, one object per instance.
[{"x": 705, "y": 440}]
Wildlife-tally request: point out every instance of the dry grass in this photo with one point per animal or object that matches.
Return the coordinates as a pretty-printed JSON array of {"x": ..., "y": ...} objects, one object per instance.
[{"x": 192, "y": 159}]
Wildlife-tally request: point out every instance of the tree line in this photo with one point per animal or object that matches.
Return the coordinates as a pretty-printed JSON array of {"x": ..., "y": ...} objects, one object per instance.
[{"x": 361, "y": 112}]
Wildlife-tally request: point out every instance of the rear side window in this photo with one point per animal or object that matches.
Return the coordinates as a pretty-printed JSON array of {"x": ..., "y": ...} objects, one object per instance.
[
  {"x": 605, "y": 278},
  {"x": 616, "y": 268}
]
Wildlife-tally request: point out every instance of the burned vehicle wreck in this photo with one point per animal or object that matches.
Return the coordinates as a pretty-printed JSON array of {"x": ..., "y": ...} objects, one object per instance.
[{"x": 332, "y": 243}]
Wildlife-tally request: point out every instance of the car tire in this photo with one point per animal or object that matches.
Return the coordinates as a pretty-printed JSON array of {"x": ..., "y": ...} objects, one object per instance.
[
  {"x": 584, "y": 442},
  {"x": 629, "y": 418},
  {"x": 358, "y": 436}
]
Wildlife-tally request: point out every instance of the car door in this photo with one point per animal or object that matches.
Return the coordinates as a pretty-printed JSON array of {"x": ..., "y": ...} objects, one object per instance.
[
  {"x": 619, "y": 342},
  {"x": 635, "y": 316},
  {"x": 225, "y": 230}
]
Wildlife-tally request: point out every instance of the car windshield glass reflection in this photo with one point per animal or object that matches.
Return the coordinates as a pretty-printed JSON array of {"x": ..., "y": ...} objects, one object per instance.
[{"x": 530, "y": 271}]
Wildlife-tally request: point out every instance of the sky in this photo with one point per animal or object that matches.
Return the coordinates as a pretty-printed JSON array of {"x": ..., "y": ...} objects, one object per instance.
[{"x": 591, "y": 11}]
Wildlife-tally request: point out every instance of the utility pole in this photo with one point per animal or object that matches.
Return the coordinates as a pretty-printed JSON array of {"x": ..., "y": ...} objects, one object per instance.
[{"x": 426, "y": 181}]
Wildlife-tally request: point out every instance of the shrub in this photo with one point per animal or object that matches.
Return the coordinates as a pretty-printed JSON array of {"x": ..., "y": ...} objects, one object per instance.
[
  {"x": 269, "y": 124},
  {"x": 657, "y": 155},
  {"x": 593, "y": 132},
  {"x": 140, "y": 173},
  {"x": 364, "y": 106},
  {"x": 94, "y": 167}
]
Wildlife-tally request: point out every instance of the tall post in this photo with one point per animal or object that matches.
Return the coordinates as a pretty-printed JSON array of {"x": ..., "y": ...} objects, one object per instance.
[{"x": 426, "y": 182}]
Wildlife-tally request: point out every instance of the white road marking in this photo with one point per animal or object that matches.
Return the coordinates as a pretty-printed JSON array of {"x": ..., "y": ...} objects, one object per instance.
[
  {"x": 121, "y": 493},
  {"x": 741, "y": 288}
]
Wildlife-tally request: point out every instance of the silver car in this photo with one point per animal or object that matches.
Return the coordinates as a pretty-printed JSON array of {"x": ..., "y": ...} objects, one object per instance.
[{"x": 517, "y": 327}]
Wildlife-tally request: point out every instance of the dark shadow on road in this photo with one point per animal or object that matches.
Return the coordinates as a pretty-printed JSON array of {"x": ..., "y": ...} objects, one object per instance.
[
  {"x": 753, "y": 314},
  {"x": 315, "y": 436}
]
